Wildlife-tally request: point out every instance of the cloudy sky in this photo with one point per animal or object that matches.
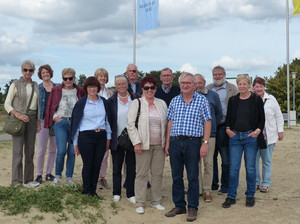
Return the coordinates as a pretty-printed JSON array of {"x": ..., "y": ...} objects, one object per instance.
[{"x": 244, "y": 36}]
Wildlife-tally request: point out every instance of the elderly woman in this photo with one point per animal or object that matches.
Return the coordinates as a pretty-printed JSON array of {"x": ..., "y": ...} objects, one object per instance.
[
  {"x": 148, "y": 141},
  {"x": 45, "y": 73},
  {"x": 244, "y": 122},
  {"x": 59, "y": 110},
  {"x": 272, "y": 131},
  {"x": 91, "y": 133},
  {"x": 119, "y": 104},
  {"x": 102, "y": 75},
  {"x": 18, "y": 104}
]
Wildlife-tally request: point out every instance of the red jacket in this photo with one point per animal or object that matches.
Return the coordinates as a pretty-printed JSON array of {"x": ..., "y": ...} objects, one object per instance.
[{"x": 53, "y": 102}]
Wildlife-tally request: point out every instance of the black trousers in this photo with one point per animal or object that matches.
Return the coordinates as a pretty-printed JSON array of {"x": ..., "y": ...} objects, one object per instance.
[
  {"x": 118, "y": 159},
  {"x": 92, "y": 148}
]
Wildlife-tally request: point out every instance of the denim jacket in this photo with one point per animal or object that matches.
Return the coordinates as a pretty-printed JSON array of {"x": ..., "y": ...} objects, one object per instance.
[{"x": 42, "y": 99}]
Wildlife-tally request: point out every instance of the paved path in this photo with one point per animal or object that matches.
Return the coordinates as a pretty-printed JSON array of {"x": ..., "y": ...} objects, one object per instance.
[{"x": 4, "y": 136}]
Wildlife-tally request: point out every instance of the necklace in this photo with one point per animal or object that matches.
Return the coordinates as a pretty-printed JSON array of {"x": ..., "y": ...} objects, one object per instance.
[{"x": 122, "y": 97}]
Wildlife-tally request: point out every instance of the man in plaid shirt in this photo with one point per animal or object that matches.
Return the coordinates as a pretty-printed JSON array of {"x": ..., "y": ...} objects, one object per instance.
[{"x": 188, "y": 132}]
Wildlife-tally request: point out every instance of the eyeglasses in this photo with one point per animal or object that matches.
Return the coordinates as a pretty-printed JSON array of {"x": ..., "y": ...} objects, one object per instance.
[
  {"x": 134, "y": 71},
  {"x": 68, "y": 78},
  {"x": 186, "y": 83},
  {"x": 28, "y": 70},
  {"x": 149, "y": 87}
]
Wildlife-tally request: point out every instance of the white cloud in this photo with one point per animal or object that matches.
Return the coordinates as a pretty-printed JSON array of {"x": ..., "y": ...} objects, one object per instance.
[{"x": 188, "y": 68}]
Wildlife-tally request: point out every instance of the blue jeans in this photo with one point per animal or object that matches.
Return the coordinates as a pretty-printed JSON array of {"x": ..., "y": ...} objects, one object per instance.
[
  {"x": 224, "y": 152},
  {"x": 185, "y": 152},
  {"x": 266, "y": 157},
  {"x": 237, "y": 145},
  {"x": 61, "y": 130}
]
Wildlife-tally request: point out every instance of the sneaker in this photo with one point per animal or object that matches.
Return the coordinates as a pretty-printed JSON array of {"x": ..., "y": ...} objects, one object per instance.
[
  {"x": 175, "y": 211},
  {"x": 32, "y": 184},
  {"x": 70, "y": 182},
  {"x": 56, "y": 181},
  {"x": 140, "y": 210},
  {"x": 207, "y": 197},
  {"x": 250, "y": 202},
  {"x": 228, "y": 202},
  {"x": 104, "y": 183},
  {"x": 131, "y": 199},
  {"x": 158, "y": 207},
  {"x": 49, "y": 177},
  {"x": 39, "y": 179},
  {"x": 192, "y": 215},
  {"x": 222, "y": 192},
  {"x": 116, "y": 198}
]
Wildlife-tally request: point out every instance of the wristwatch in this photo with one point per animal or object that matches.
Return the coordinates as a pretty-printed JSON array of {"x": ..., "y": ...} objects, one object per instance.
[{"x": 204, "y": 141}]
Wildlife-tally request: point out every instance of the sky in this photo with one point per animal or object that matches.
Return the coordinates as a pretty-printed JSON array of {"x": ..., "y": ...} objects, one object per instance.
[{"x": 243, "y": 36}]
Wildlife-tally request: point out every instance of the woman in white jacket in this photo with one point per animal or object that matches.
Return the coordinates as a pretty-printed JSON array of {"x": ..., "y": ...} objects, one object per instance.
[
  {"x": 148, "y": 140},
  {"x": 273, "y": 130}
]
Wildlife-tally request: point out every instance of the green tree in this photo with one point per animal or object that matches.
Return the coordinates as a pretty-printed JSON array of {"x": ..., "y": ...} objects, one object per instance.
[
  {"x": 277, "y": 86},
  {"x": 81, "y": 79}
]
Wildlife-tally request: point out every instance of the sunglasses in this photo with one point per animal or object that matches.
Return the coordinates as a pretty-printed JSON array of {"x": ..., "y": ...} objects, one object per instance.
[
  {"x": 149, "y": 87},
  {"x": 134, "y": 71},
  {"x": 28, "y": 70},
  {"x": 68, "y": 78}
]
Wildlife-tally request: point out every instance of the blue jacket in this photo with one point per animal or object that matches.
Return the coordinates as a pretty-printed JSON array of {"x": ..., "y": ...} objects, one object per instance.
[
  {"x": 77, "y": 115},
  {"x": 113, "y": 107},
  {"x": 42, "y": 99}
]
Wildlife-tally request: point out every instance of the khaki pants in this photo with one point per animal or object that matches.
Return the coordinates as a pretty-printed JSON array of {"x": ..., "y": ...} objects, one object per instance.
[
  {"x": 205, "y": 179},
  {"x": 24, "y": 142},
  {"x": 153, "y": 160}
]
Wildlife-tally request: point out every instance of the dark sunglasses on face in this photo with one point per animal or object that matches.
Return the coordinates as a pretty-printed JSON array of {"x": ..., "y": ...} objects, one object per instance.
[
  {"x": 134, "y": 71},
  {"x": 68, "y": 78},
  {"x": 149, "y": 87},
  {"x": 26, "y": 70}
]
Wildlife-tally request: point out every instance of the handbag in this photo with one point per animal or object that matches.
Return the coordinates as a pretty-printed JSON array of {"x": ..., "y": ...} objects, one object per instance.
[
  {"x": 123, "y": 139},
  {"x": 13, "y": 125}
]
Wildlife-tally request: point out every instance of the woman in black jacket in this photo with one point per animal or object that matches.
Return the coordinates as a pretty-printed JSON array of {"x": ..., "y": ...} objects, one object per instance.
[
  {"x": 119, "y": 104},
  {"x": 244, "y": 122}
]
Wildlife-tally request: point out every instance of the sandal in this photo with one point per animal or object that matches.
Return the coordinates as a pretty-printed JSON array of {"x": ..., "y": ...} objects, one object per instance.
[
  {"x": 264, "y": 189},
  {"x": 257, "y": 187}
]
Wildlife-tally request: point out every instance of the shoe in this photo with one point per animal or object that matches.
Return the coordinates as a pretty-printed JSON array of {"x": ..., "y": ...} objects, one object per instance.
[
  {"x": 140, "y": 210},
  {"x": 158, "y": 207},
  {"x": 257, "y": 187},
  {"x": 39, "y": 179},
  {"x": 175, "y": 211},
  {"x": 200, "y": 195},
  {"x": 32, "y": 184},
  {"x": 70, "y": 182},
  {"x": 222, "y": 192},
  {"x": 250, "y": 202},
  {"x": 96, "y": 195},
  {"x": 207, "y": 197},
  {"x": 264, "y": 189},
  {"x": 116, "y": 198},
  {"x": 104, "y": 184},
  {"x": 49, "y": 177},
  {"x": 56, "y": 181},
  {"x": 131, "y": 199},
  {"x": 228, "y": 202},
  {"x": 192, "y": 215}
]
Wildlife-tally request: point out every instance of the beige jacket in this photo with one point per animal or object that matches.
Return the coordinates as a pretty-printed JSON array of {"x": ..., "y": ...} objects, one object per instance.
[{"x": 141, "y": 135}]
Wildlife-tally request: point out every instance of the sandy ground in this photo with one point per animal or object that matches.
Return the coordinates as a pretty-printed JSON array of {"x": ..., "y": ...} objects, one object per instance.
[{"x": 280, "y": 205}]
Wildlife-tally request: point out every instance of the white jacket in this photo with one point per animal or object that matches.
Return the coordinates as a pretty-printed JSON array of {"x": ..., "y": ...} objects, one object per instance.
[
  {"x": 274, "y": 119},
  {"x": 141, "y": 135}
]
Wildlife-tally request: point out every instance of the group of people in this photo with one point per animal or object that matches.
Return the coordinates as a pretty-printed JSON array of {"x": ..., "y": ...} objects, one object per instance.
[{"x": 191, "y": 123}]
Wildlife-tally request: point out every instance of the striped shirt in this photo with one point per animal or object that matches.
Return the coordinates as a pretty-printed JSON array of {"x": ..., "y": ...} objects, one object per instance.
[{"x": 188, "y": 119}]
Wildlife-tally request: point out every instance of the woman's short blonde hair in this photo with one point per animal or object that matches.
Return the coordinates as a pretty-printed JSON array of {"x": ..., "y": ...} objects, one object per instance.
[
  {"x": 68, "y": 71},
  {"x": 101, "y": 71},
  {"x": 243, "y": 76}
]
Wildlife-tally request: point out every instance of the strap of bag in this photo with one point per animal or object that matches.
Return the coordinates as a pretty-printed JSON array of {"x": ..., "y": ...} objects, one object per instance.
[
  {"x": 138, "y": 114},
  {"x": 32, "y": 91}
]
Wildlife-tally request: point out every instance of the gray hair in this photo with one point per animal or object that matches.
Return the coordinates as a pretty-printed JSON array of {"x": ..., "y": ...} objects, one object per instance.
[
  {"x": 131, "y": 64},
  {"x": 166, "y": 69},
  {"x": 201, "y": 76},
  {"x": 117, "y": 77},
  {"x": 28, "y": 62},
  {"x": 219, "y": 67},
  {"x": 185, "y": 74}
]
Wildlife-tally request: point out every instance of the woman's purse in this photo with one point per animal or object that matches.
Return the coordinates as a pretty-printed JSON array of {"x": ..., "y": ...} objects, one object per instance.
[
  {"x": 13, "y": 125},
  {"x": 123, "y": 139}
]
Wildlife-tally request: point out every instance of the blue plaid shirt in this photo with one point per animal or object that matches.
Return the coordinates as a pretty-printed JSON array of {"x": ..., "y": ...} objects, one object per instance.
[{"x": 188, "y": 119}]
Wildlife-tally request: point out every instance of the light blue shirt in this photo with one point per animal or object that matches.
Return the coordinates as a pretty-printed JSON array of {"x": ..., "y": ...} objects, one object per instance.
[
  {"x": 133, "y": 87},
  {"x": 223, "y": 98},
  {"x": 94, "y": 117}
]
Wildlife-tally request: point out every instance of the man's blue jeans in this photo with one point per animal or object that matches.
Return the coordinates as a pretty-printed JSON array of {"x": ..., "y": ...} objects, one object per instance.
[
  {"x": 266, "y": 157},
  {"x": 237, "y": 145},
  {"x": 61, "y": 130},
  {"x": 185, "y": 152}
]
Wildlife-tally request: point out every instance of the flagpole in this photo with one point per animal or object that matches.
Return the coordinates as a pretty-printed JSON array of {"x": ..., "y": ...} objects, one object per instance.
[
  {"x": 288, "y": 62},
  {"x": 134, "y": 31}
]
